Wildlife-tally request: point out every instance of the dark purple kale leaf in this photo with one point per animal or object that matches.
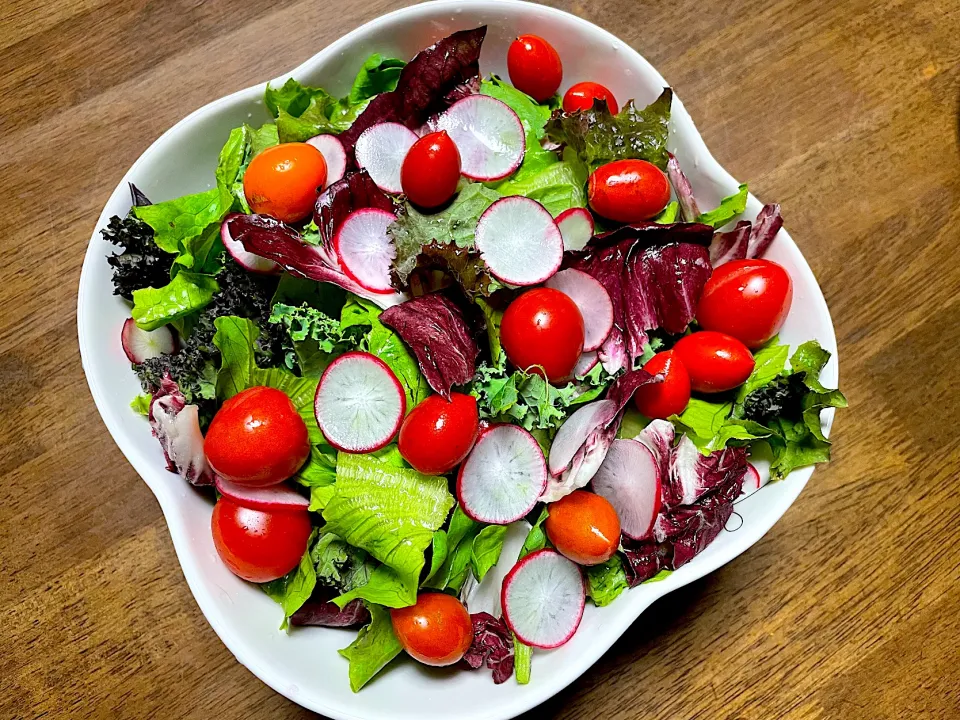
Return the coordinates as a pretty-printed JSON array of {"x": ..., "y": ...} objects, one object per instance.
[{"x": 141, "y": 264}]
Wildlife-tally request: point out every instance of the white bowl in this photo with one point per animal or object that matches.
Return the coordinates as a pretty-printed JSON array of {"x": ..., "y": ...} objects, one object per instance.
[{"x": 305, "y": 665}]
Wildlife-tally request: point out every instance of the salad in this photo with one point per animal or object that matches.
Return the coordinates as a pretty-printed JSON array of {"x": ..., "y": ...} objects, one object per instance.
[{"x": 406, "y": 320}]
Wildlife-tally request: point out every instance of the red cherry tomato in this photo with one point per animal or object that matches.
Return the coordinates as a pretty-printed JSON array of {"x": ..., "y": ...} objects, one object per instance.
[
  {"x": 584, "y": 527},
  {"x": 534, "y": 67},
  {"x": 542, "y": 330},
  {"x": 748, "y": 299},
  {"x": 437, "y": 434},
  {"x": 670, "y": 397},
  {"x": 431, "y": 170},
  {"x": 257, "y": 438},
  {"x": 628, "y": 191},
  {"x": 284, "y": 180},
  {"x": 259, "y": 545},
  {"x": 582, "y": 95},
  {"x": 436, "y": 631},
  {"x": 714, "y": 361}
]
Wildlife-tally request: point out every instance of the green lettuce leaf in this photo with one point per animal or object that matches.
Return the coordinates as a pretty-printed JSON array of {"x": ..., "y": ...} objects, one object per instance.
[
  {"x": 606, "y": 581},
  {"x": 537, "y": 537},
  {"x": 294, "y": 589},
  {"x": 375, "y": 646},
  {"x": 386, "y": 586},
  {"x": 339, "y": 565},
  {"x": 487, "y": 546},
  {"x": 532, "y": 114},
  {"x": 728, "y": 209},
  {"x": 317, "y": 338},
  {"x": 243, "y": 144},
  {"x": 669, "y": 214},
  {"x": 558, "y": 187},
  {"x": 378, "y": 75},
  {"x": 438, "y": 554},
  {"x": 141, "y": 404},
  {"x": 769, "y": 363},
  {"x": 185, "y": 294},
  {"x": 460, "y": 537},
  {"x": 177, "y": 223}
]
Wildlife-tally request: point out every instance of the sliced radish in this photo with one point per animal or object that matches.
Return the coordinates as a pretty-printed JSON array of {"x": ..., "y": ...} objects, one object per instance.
[
  {"x": 359, "y": 403},
  {"x": 630, "y": 479},
  {"x": 248, "y": 261},
  {"x": 543, "y": 599},
  {"x": 380, "y": 151},
  {"x": 333, "y": 153},
  {"x": 576, "y": 429},
  {"x": 277, "y": 497},
  {"x": 365, "y": 250},
  {"x": 592, "y": 299},
  {"x": 587, "y": 362},
  {"x": 576, "y": 227},
  {"x": 519, "y": 241},
  {"x": 751, "y": 481},
  {"x": 658, "y": 437},
  {"x": 488, "y": 134},
  {"x": 140, "y": 345},
  {"x": 503, "y": 476}
]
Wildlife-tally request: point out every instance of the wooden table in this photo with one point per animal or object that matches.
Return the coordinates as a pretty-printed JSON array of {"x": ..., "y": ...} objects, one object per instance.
[{"x": 844, "y": 112}]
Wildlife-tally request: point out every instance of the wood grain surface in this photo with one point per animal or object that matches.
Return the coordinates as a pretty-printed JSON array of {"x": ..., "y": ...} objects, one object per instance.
[{"x": 844, "y": 112}]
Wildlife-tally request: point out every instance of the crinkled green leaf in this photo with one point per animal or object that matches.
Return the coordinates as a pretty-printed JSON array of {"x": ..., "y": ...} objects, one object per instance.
[
  {"x": 141, "y": 404},
  {"x": 769, "y": 362},
  {"x": 185, "y": 294},
  {"x": 176, "y": 222},
  {"x": 375, "y": 646},
  {"x": 728, "y": 209},
  {"x": 558, "y": 186},
  {"x": 317, "y": 337},
  {"x": 810, "y": 359},
  {"x": 606, "y": 581},
  {"x": 378, "y": 75},
  {"x": 386, "y": 586}
]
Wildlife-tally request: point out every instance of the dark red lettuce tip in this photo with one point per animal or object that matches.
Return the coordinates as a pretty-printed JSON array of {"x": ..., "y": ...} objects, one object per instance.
[
  {"x": 623, "y": 388},
  {"x": 674, "y": 276},
  {"x": 765, "y": 229},
  {"x": 423, "y": 86},
  {"x": 176, "y": 426},
  {"x": 651, "y": 234},
  {"x": 320, "y": 611},
  {"x": 353, "y": 191},
  {"x": 492, "y": 645},
  {"x": 439, "y": 336},
  {"x": 732, "y": 245}
]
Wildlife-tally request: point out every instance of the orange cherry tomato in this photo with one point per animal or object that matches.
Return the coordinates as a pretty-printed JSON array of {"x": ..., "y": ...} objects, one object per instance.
[
  {"x": 582, "y": 96},
  {"x": 257, "y": 438},
  {"x": 431, "y": 170},
  {"x": 259, "y": 545},
  {"x": 438, "y": 433},
  {"x": 584, "y": 527},
  {"x": 534, "y": 67},
  {"x": 628, "y": 191},
  {"x": 748, "y": 299},
  {"x": 436, "y": 631},
  {"x": 670, "y": 397},
  {"x": 283, "y": 181},
  {"x": 542, "y": 331},
  {"x": 714, "y": 361}
]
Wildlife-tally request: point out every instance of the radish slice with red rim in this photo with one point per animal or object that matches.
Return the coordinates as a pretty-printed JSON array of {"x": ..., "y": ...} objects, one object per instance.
[
  {"x": 380, "y": 151},
  {"x": 502, "y": 478},
  {"x": 593, "y": 301},
  {"x": 359, "y": 403},
  {"x": 630, "y": 479},
  {"x": 543, "y": 597},
  {"x": 488, "y": 134},
  {"x": 247, "y": 260},
  {"x": 140, "y": 345},
  {"x": 751, "y": 481},
  {"x": 587, "y": 362},
  {"x": 273, "y": 498},
  {"x": 576, "y": 429},
  {"x": 519, "y": 241},
  {"x": 365, "y": 250},
  {"x": 576, "y": 227},
  {"x": 333, "y": 154}
]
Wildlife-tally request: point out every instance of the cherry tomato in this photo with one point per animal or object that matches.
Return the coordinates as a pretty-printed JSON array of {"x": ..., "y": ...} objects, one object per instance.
[
  {"x": 628, "y": 191},
  {"x": 714, "y": 361},
  {"x": 542, "y": 331},
  {"x": 438, "y": 433},
  {"x": 584, "y": 527},
  {"x": 670, "y": 397},
  {"x": 582, "y": 95},
  {"x": 748, "y": 299},
  {"x": 534, "y": 67},
  {"x": 284, "y": 180},
  {"x": 257, "y": 438},
  {"x": 431, "y": 170},
  {"x": 436, "y": 631},
  {"x": 259, "y": 545}
]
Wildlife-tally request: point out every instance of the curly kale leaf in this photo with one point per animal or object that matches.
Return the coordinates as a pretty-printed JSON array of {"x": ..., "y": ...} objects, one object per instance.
[
  {"x": 782, "y": 397},
  {"x": 141, "y": 264}
]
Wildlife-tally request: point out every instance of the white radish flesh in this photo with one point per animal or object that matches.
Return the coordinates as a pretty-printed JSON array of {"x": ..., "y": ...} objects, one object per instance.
[
  {"x": 630, "y": 479},
  {"x": 751, "y": 481},
  {"x": 519, "y": 241},
  {"x": 333, "y": 154},
  {"x": 593, "y": 301},
  {"x": 576, "y": 227},
  {"x": 576, "y": 429},
  {"x": 365, "y": 250},
  {"x": 488, "y": 134},
  {"x": 543, "y": 599},
  {"x": 277, "y": 497},
  {"x": 502, "y": 478},
  {"x": 359, "y": 403},
  {"x": 140, "y": 345},
  {"x": 247, "y": 260},
  {"x": 380, "y": 151}
]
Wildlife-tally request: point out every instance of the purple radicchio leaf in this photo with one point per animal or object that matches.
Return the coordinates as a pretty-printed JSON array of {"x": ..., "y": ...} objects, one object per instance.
[
  {"x": 623, "y": 388},
  {"x": 681, "y": 186},
  {"x": 642, "y": 560},
  {"x": 692, "y": 474},
  {"x": 269, "y": 238},
  {"x": 765, "y": 229},
  {"x": 321, "y": 611},
  {"x": 177, "y": 426},
  {"x": 353, "y": 191},
  {"x": 493, "y": 645},
  {"x": 658, "y": 437},
  {"x": 437, "y": 332},
  {"x": 423, "y": 86},
  {"x": 732, "y": 245}
]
